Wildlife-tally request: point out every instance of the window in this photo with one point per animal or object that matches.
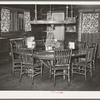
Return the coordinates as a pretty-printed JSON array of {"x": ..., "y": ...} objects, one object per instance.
[{"x": 15, "y": 20}]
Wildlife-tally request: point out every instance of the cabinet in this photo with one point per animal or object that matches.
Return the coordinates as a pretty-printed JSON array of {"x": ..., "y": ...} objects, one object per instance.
[
  {"x": 4, "y": 50},
  {"x": 58, "y": 30},
  {"x": 71, "y": 34}
]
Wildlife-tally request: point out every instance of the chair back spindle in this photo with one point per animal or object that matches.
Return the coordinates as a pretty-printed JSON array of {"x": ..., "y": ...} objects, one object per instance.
[
  {"x": 89, "y": 54},
  {"x": 63, "y": 56},
  {"x": 27, "y": 56}
]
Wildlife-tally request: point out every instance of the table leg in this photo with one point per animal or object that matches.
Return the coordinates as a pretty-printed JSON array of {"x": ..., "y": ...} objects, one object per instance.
[{"x": 64, "y": 71}]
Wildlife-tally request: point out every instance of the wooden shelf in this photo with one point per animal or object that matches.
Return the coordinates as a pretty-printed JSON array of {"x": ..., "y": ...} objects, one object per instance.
[
  {"x": 51, "y": 22},
  {"x": 46, "y": 22},
  {"x": 16, "y": 39}
]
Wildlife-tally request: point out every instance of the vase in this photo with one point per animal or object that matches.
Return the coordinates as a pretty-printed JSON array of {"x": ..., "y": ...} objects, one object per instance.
[{"x": 48, "y": 48}]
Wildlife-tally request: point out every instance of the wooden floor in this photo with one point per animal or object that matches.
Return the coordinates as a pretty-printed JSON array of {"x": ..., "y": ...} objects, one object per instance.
[{"x": 10, "y": 82}]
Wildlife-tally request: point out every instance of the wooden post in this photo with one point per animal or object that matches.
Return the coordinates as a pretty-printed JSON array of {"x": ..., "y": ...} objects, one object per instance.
[
  {"x": 35, "y": 12},
  {"x": 71, "y": 11},
  {"x": 66, "y": 11}
]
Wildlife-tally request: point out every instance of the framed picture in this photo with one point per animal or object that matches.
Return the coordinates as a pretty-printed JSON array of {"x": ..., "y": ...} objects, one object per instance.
[{"x": 71, "y": 28}]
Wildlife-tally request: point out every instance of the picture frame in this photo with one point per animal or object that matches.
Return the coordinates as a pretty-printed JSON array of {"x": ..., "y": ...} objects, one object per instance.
[{"x": 71, "y": 28}]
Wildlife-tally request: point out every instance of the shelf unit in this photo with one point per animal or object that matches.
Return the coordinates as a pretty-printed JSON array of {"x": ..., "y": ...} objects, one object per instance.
[
  {"x": 4, "y": 50},
  {"x": 51, "y": 22}
]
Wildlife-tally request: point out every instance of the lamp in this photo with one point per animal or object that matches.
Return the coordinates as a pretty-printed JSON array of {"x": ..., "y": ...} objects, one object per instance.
[
  {"x": 71, "y": 45},
  {"x": 30, "y": 42}
]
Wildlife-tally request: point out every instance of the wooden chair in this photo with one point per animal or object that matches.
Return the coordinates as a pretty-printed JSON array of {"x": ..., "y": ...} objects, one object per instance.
[
  {"x": 95, "y": 45},
  {"x": 16, "y": 61},
  {"x": 80, "y": 45},
  {"x": 62, "y": 60},
  {"x": 29, "y": 65},
  {"x": 40, "y": 45},
  {"x": 84, "y": 66}
]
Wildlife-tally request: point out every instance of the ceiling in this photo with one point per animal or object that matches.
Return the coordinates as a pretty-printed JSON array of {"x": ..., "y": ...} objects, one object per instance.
[
  {"x": 31, "y": 7},
  {"x": 45, "y": 8}
]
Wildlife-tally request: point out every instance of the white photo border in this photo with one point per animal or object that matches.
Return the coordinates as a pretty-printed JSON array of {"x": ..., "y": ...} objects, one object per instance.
[{"x": 50, "y": 94}]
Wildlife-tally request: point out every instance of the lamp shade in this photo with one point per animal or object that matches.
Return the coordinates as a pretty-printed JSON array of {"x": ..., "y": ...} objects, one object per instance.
[
  {"x": 30, "y": 42},
  {"x": 71, "y": 45}
]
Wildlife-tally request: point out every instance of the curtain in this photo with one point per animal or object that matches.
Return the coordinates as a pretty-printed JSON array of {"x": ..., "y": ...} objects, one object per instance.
[
  {"x": 5, "y": 20},
  {"x": 89, "y": 27},
  {"x": 27, "y": 21}
]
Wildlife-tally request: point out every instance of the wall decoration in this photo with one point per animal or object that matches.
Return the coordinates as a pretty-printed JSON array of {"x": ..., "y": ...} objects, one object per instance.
[
  {"x": 90, "y": 22},
  {"x": 27, "y": 21},
  {"x": 5, "y": 20}
]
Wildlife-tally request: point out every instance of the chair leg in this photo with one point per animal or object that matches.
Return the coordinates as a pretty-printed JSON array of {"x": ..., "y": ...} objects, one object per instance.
[
  {"x": 20, "y": 78},
  {"x": 94, "y": 65},
  {"x": 91, "y": 70},
  {"x": 64, "y": 71},
  {"x": 72, "y": 71},
  {"x": 85, "y": 74},
  {"x": 50, "y": 72},
  {"x": 41, "y": 71},
  {"x": 54, "y": 77},
  {"x": 12, "y": 69},
  {"x": 32, "y": 79},
  {"x": 68, "y": 74},
  {"x": 20, "y": 75},
  {"x": 12, "y": 72},
  {"x": 72, "y": 74}
]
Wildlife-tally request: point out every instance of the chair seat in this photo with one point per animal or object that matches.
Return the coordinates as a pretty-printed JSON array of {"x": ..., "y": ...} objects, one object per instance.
[
  {"x": 61, "y": 73},
  {"x": 79, "y": 63},
  {"x": 30, "y": 66},
  {"x": 59, "y": 67},
  {"x": 83, "y": 63},
  {"x": 17, "y": 61}
]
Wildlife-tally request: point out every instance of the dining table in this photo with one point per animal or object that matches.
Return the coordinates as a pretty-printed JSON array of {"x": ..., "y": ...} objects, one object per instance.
[{"x": 47, "y": 57}]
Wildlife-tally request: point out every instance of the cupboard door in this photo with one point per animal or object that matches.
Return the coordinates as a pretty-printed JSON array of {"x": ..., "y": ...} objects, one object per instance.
[{"x": 59, "y": 29}]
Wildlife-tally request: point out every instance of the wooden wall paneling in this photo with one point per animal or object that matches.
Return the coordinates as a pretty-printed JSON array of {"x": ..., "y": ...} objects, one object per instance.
[
  {"x": 4, "y": 50},
  {"x": 98, "y": 37},
  {"x": 80, "y": 26}
]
